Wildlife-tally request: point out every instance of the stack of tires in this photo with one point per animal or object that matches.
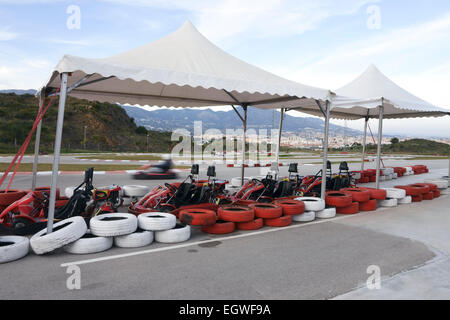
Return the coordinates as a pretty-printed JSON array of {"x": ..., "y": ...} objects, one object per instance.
[
  {"x": 419, "y": 169},
  {"x": 394, "y": 197},
  {"x": 370, "y": 174},
  {"x": 314, "y": 208},
  {"x": 131, "y": 193},
  {"x": 419, "y": 191},
  {"x": 165, "y": 227},
  {"x": 230, "y": 217},
  {"x": 387, "y": 174},
  {"x": 363, "y": 199}
]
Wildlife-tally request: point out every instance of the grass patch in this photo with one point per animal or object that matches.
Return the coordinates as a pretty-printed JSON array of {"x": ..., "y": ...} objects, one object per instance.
[{"x": 121, "y": 157}]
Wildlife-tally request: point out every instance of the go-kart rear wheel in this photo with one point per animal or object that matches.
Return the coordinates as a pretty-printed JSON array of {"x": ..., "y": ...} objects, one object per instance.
[{"x": 20, "y": 223}]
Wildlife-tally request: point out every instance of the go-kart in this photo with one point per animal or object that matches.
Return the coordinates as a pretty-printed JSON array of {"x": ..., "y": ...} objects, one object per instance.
[
  {"x": 159, "y": 171},
  {"x": 268, "y": 188},
  {"x": 312, "y": 185},
  {"x": 29, "y": 214},
  {"x": 190, "y": 193}
]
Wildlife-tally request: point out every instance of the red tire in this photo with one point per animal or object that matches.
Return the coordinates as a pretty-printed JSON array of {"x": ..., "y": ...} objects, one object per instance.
[
  {"x": 197, "y": 217},
  {"x": 6, "y": 198},
  {"x": 417, "y": 198},
  {"x": 437, "y": 193},
  {"x": 431, "y": 186},
  {"x": 338, "y": 199},
  {"x": 244, "y": 202},
  {"x": 236, "y": 213},
  {"x": 220, "y": 227},
  {"x": 370, "y": 205},
  {"x": 291, "y": 207},
  {"x": 364, "y": 180},
  {"x": 428, "y": 195},
  {"x": 358, "y": 194},
  {"x": 423, "y": 188},
  {"x": 267, "y": 210},
  {"x": 372, "y": 179},
  {"x": 410, "y": 191},
  {"x": 379, "y": 194},
  {"x": 351, "y": 209},
  {"x": 283, "y": 221},
  {"x": 250, "y": 225}
]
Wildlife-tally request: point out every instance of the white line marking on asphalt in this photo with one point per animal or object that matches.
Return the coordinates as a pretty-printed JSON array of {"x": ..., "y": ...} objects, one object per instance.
[{"x": 136, "y": 253}]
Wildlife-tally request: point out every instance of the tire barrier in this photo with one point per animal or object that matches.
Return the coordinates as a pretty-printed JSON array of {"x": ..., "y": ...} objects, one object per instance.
[
  {"x": 395, "y": 193},
  {"x": 220, "y": 227},
  {"x": 179, "y": 233},
  {"x": 428, "y": 195},
  {"x": 282, "y": 221},
  {"x": 13, "y": 248},
  {"x": 378, "y": 194},
  {"x": 307, "y": 216},
  {"x": 326, "y": 213},
  {"x": 89, "y": 243},
  {"x": 267, "y": 210},
  {"x": 358, "y": 194},
  {"x": 405, "y": 200},
  {"x": 388, "y": 203},
  {"x": 236, "y": 213},
  {"x": 370, "y": 205},
  {"x": 197, "y": 217},
  {"x": 64, "y": 232},
  {"x": 422, "y": 188},
  {"x": 351, "y": 209},
  {"x": 291, "y": 207},
  {"x": 410, "y": 191},
  {"x": 113, "y": 224},
  {"x": 250, "y": 225},
  {"x": 140, "y": 238},
  {"x": 156, "y": 221},
  {"x": 439, "y": 183},
  {"x": 338, "y": 198},
  {"x": 312, "y": 203},
  {"x": 417, "y": 198}
]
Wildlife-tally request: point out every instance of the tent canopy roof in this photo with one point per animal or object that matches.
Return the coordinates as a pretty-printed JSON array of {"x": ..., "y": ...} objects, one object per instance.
[
  {"x": 373, "y": 89},
  {"x": 183, "y": 69}
]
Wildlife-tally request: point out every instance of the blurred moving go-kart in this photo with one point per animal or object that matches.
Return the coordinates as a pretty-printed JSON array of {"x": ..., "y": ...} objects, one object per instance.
[{"x": 159, "y": 171}]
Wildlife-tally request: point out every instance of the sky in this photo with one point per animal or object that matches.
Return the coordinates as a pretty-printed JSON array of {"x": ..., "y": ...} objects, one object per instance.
[{"x": 322, "y": 43}]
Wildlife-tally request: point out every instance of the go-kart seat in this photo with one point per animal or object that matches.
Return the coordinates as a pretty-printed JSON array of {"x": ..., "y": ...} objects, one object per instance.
[
  {"x": 282, "y": 189},
  {"x": 184, "y": 193}
]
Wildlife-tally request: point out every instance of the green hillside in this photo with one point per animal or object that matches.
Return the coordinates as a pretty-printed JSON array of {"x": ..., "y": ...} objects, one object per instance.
[
  {"x": 412, "y": 146},
  {"x": 108, "y": 127}
]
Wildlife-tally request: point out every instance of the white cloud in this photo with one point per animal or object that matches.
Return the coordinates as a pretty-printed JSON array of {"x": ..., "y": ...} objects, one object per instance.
[{"x": 219, "y": 20}]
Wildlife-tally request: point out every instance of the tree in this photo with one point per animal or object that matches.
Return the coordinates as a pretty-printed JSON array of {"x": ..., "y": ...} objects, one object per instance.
[
  {"x": 394, "y": 140},
  {"x": 141, "y": 130}
]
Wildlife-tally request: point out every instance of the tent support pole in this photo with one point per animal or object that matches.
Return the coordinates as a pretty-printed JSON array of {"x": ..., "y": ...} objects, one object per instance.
[
  {"x": 380, "y": 135},
  {"x": 366, "y": 121},
  {"x": 57, "y": 151},
  {"x": 37, "y": 142},
  {"x": 243, "y": 144},
  {"x": 280, "y": 129},
  {"x": 325, "y": 151}
]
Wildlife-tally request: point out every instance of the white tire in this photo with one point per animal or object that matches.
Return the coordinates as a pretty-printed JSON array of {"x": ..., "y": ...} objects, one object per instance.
[
  {"x": 140, "y": 238},
  {"x": 157, "y": 221},
  {"x": 127, "y": 201},
  {"x": 237, "y": 181},
  {"x": 69, "y": 191},
  {"x": 388, "y": 203},
  {"x": 394, "y": 175},
  {"x": 64, "y": 232},
  {"x": 113, "y": 224},
  {"x": 135, "y": 191},
  {"x": 394, "y": 193},
  {"x": 441, "y": 183},
  {"x": 326, "y": 213},
  {"x": 312, "y": 203},
  {"x": 409, "y": 170},
  {"x": 89, "y": 244},
  {"x": 382, "y": 178},
  {"x": 180, "y": 233},
  {"x": 13, "y": 248},
  {"x": 304, "y": 217},
  {"x": 405, "y": 200}
]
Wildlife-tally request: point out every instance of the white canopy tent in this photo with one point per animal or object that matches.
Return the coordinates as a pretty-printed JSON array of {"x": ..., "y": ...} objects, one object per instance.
[
  {"x": 377, "y": 97},
  {"x": 183, "y": 69}
]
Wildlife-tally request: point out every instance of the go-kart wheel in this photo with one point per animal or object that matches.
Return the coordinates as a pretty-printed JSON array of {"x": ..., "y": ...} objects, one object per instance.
[{"x": 19, "y": 223}]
